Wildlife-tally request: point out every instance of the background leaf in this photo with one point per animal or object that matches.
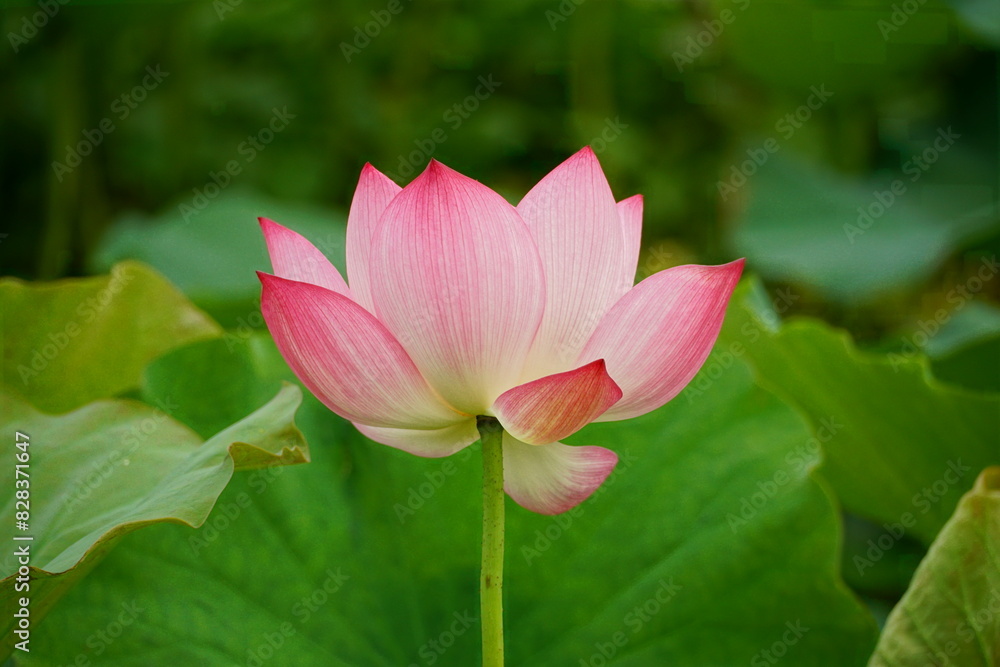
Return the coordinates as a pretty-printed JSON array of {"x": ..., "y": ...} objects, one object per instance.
[
  {"x": 111, "y": 467},
  {"x": 847, "y": 239},
  {"x": 951, "y": 613},
  {"x": 211, "y": 250},
  {"x": 70, "y": 342},
  {"x": 966, "y": 349},
  {"x": 872, "y": 413}
]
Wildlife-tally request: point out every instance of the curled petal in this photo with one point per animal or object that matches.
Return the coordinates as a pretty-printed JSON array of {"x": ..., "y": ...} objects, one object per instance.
[
  {"x": 575, "y": 222},
  {"x": 433, "y": 443},
  {"x": 658, "y": 335},
  {"x": 556, "y": 406},
  {"x": 348, "y": 359},
  {"x": 374, "y": 192},
  {"x": 456, "y": 277},
  {"x": 553, "y": 478},
  {"x": 295, "y": 258}
]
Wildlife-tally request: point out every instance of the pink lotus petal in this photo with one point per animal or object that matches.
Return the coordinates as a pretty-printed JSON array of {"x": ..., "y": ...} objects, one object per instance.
[
  {"x": 630, "y": 212},
  {"x": 373, "y": 194},
  {"x": 348, "y": 359},
  {"x": 553, "y": 478},
  {"x": 456, "y": 277},
  {"x": 295, "y": 258},
  {"x": 556, "y": 406},
  {"x": 575, "y": 222},
  {"x": 658, "y": 335},
  {"x": 429, "y": 443}
]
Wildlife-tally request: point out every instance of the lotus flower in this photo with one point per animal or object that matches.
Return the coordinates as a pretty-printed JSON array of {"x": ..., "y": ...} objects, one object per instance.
[{"x": 460, "y": 304}]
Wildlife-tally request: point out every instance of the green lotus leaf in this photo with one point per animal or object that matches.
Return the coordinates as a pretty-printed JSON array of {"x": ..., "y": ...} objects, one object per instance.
[
  {"x": 69, "y": 342},
  {"x": 95, "y": 474},
  {"x": 901, "y": 447},
  {"x": 950, "y": 615}
]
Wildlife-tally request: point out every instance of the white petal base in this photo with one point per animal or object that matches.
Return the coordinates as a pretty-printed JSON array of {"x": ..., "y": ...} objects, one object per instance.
[
  {"x": 553, "y": 478},
  {"x": 435, "y": 443}
]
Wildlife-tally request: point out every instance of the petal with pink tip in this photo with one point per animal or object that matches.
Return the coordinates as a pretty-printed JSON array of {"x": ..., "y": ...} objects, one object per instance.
[
  {"x": 374, "y": 192},
  {"x": 293, "y": 257},
  {"x": 553, "y": 478},
  {"x": 433, "y": 443},
  {"x": 630, "y": 212},
  {"x": 348, "y": 359},
  {"x": 574, "y": 220},
  {"x": 658, "y": 335},
  {"x": 556, "y": 406},
  {"x": 456, "y": 277}
]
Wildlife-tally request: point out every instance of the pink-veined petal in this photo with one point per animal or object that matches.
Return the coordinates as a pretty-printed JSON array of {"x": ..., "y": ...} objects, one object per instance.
[
  {"x": 433, "y": 443},
  {"x": 556, "y": 406},
  {"x": 456, "y": 277},
  {"x": 574, "y": 220},
  {"x": 348, "y": 359},
  {"x": 658, "y": 335},
  {"x": 553, "y": 478},
  {"x": 293, "y": 257},
  {"x": 374, "y": 192},
  {"x": 630, "y": 212}
]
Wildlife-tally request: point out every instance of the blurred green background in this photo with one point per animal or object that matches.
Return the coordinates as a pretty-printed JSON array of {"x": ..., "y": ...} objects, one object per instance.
[
  {"x": 848, "y": 150},
  {"x": 675, "y": 97}
]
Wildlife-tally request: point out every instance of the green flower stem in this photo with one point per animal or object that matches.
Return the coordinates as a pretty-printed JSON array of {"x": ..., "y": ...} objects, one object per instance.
[{"x": 491, "y": 576}]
